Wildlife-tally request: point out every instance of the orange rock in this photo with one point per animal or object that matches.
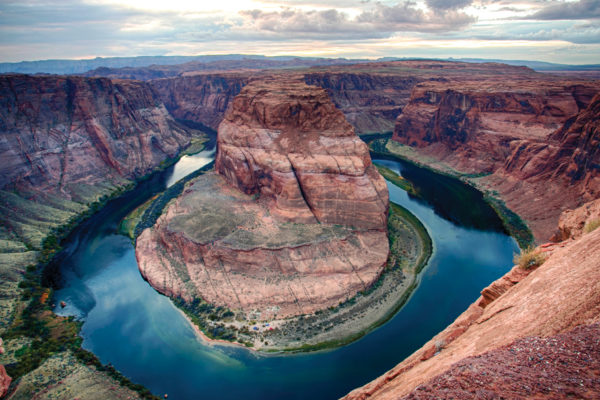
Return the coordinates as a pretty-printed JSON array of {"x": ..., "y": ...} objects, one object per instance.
[
  {"x": 5, "y": 381},
  {"x": 562, "y": 294},
  {"x": 287, "y": 142},
  {"x": 537, "y": 137}
]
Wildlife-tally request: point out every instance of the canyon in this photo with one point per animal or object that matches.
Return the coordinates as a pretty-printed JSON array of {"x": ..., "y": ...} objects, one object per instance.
[
  {"x": 274, "y": 225},
  {"x": 488, "y": 120},
  {"x": 68, "y": 144},
  {"x": 527, "y": 141},
  {"x": 294, "y": 220}
]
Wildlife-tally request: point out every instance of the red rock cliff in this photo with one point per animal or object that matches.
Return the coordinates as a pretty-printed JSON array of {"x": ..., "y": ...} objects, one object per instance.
[
  {"x": 289, "y": 143},
  {"x": 200, "y": 98},
  {"x": 531, "y": 133},
  {"x": 532, "y": 334},
  {"x": 60, "y": 132}
]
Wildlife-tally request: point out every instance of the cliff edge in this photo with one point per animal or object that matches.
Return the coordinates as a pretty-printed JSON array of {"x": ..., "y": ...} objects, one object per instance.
[{"x": 529, "y": 327}]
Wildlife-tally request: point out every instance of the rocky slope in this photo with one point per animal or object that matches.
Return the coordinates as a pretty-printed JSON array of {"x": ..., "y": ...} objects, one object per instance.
[
  {"x": 534, "y": 137},
  {"x": 531, "y": 325},
  {"x": 299, "y": 220}
]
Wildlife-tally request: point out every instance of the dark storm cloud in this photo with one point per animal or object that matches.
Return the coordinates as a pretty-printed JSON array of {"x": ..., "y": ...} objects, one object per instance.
[
  {"x": 379, "y": 21},
  {"x": 583, "y": 9}
]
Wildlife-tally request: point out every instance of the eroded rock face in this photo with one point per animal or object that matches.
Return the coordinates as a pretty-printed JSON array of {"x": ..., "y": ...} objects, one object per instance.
[
  {"x": 62, "y": 132},
  {"x": 294, "y": 221},
  {"x": 288, "y": 143},
  {"x": 533, "y": 312},
  {"x": 535, "y": 137},
  {"x": 4, "y": 378},
  {"x": 4, "y": 381},
  {"x": 572, "y": 223},
  {"x": 200, "y": 98},
  {"x": 223, "y": 246}
]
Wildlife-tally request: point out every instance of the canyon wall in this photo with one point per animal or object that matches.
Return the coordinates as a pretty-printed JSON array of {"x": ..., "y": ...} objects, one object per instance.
[
  {"x": 371, "y": 95},
  {"x": 61, "y": 133},
  {"x": 370, "y": 101},
  {"x": 534, "y": 139},
  {"x": 295, "y": 222},
  {"x": 200, "y": 98},
  {"x": 66, "y": 142},
  {"x": 532, "y": 334}
]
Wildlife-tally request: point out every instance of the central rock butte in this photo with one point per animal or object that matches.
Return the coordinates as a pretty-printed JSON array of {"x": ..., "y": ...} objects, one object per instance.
[{"x": 294, "y": 220}]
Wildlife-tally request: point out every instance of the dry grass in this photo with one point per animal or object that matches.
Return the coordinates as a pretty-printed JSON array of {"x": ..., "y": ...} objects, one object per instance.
[
  {"x": 591, "y": 225},
  {"x": 529, "y": 258}
]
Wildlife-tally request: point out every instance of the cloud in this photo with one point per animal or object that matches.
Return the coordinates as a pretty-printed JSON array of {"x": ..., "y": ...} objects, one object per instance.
[
  {"x": 378, "y": 21},
  {"x": 583, "y": 9}
]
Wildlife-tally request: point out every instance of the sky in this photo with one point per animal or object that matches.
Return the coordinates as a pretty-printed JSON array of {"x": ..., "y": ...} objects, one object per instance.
[{"x": 562, "y": 31}]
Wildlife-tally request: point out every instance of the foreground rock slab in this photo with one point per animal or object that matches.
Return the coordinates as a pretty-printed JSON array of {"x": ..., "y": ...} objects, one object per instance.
[{"x": 527, "y": 310}]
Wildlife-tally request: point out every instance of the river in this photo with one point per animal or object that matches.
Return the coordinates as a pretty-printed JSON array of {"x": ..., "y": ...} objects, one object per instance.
[{"x": 140, "y": 332}]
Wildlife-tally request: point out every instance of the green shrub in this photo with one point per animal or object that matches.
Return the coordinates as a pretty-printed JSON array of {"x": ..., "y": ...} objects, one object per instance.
[
  {"x": 529, "y": 258},
  {"x": 591, "y": 225}
]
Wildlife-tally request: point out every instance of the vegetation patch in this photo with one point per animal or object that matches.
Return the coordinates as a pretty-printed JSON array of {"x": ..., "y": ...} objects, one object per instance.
[
  {"x": 396, "y": 179},
  {"x": 32, "y": 230},
  {"x": 591, "y": 225},
  {"x": 529, "y": 258},
  {"x": 156, "y": 207},
  {"x": 514, "y": 224}
]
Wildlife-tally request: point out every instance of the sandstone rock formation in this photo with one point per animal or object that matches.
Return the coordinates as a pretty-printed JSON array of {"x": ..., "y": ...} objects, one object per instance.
[
  {"x": 65, "y": 143},
  {"x": 288, "y": 142},
  {"x": 371, "y": 95},
  {"x": 200, "y": 97},
  {"x": 5, "y": 381},
  {"x": 64, "y": 133},
  {"x": 534, "y": 137},
  {"x": 294, "y": 223},
  {"x": 573, "y": 223},
  {"x": 550, "y": 312},
  {"x": 557, "y": 367},
  {"x": 370, "y": 100}
]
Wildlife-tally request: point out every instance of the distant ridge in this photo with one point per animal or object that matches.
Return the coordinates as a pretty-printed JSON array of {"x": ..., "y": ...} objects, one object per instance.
[
  {"x": 81, "y": 66},
  {"x": 65, "y": 66}
]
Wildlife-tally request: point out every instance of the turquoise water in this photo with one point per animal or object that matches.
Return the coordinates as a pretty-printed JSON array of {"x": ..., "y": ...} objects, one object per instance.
[{"x": 141, "y": 333}]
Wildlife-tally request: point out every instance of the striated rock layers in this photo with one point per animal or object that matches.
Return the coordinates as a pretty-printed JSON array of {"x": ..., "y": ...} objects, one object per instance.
[
  {"x": 294, "y": 221},
  {"x": 532, "y": 334},
  {"x": 200, "y": 97},
  {"x": 534, "y": 138},
  {"x": 62, "y": 133},
  {"x": 288, "y": 142}
]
